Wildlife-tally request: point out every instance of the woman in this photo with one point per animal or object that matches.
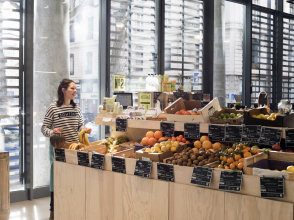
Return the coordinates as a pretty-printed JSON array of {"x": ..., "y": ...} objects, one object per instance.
[{"x": 63, "y": 116}]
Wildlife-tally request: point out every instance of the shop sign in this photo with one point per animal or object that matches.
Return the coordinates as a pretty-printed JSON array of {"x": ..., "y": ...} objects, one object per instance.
[
  {"x": 201, "y": 176},
  {"x": 119, "y": 83}
]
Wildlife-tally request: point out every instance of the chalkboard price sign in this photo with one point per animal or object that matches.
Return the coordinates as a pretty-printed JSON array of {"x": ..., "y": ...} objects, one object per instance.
[
  {"x": 165, "y": 172},
  {"x": 118, "y": 164},
  {"x": 272, "y": 187},
  {"x": 121, "y": 125},
  {"x": 156, "y": 95},
  {"x": 201, "y": 176},
  {"x": 270, "y": 136},
  {"x": 143, "y": 168},
  {"x": 182, "y": 95},
  {"x": 216, "y": 132},
  {"x": 289, "y": 138},
  {"x": 97, "y": 160},
  {"x": 167, "y": 129},
  {"x": 251, "y": 133},
  {"x": 230, "y": 181},
  {"x": 233, "y": 133},
  {"x": 192, "y": 130},
  {"x": 59, "y": 154},
  {"x": 83, "y": 159}
]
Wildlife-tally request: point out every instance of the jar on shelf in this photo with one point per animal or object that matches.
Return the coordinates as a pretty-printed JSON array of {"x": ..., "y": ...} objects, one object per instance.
[
  {"x": 284, "y": 106},
  {"x": 168, "y": 87},
  {"x": 166, "y": 78},
  {"x": 164, "y": 87}
]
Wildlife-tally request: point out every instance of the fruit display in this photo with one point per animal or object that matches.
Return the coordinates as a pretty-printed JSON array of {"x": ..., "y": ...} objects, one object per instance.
[
  {"x": 195, "y": 111},
  {"x": 152, "y": 138},
  {"x": 270, "y": 117},
  {"x": 57, "y": 140},
  {"x": 76, "y": 146},
  {"x": 225, "y": 116},
  {"x": 189, "y": 157},
  {"x": 163, "y": 147},
  {"x": 179, "y": 139},
  {"x": 232, "y": 157},
  {"x": 83, "y": 137}
]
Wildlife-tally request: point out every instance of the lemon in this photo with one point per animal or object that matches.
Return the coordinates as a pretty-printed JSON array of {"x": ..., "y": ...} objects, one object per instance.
[
  {"x": 285, "y": 171},
  {"x": 173, "y": 149},
  {"x": 290, "y": 168},
  {"x": 278, "y": 114},
  {"x": 160, "y": 152},
  {"x": 259, "y": 116},
  {"x": 157, "y": 149},
  {"x": 164, "y": 149},
  {"x": 162, "y": 144},
  {"x": 148, "y": 150},
  {"x": 157, "y": 145},
  {"x": 253, "y": 116}
]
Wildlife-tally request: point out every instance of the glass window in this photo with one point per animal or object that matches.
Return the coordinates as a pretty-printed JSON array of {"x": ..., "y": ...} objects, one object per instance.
[
  {"x": 262, "y": 54},
  {"x": 184, "y": 40},
  {"x": 288, "y": 7},
  {"x": 10, "y": 95},
  {"x": 89, "y": 63},
  {"x": 233, "y": 44},
  {"x": 72, "y": 57},
  {"x": 288, "y": 60},
  {"x": 90, "y": 28},
  {"x": 266, "y": 3},
  {"x": 132, "y": 42}
]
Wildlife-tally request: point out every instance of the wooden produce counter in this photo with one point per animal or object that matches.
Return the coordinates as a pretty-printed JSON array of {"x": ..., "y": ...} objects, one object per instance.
[
  {"x": 87, "y": 193},
  {"x": 4, "y": 183}
]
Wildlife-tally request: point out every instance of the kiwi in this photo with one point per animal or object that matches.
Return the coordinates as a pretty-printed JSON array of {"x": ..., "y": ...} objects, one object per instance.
[
  {"x": 189, "y": 160},
  {"x": 202, "y": 149},
  {"x": 185, "y": 157},
  {"x": 216, "y": 154},
  {"x": 180, "y": 163},
  {"x": 189, "y": 148},
  {"x": 201, "y": 163},
  {"x": 201, "y": 153},
  {"x": 196, "y": 154},
  {"x": 169, "y": 162},
  {"x": 188, "y": 154},
  {"x": 191, "y": 151},
  {"x": 196, "y": 162},
  {"x": 204, "y": 156},
  {"x": 185, "y": 160},
  {"x": 193, "y": 165},
  {"x": 176, "y": 154},
  {"x": 206, "y": 162},
  {"x": 174, "y": 162},
  {"x": 185, "y": 163},
  {"x": 200, "y": 158},
  {"x": 211, "y": 160},
  {"x": 189, "y": 164},
  {"x": 193, "y": 157},
  {"x": 216, "y": 159}
]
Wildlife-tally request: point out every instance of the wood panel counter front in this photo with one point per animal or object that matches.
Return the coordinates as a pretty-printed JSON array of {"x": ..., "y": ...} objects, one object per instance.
[
  {"x": 4, "y": 183},
  {"x": 87, "y": 193}
]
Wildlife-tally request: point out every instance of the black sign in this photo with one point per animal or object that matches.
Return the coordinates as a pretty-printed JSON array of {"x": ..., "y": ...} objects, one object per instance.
[
  {"x": 192, "y": 130},
  {"x": 165, "y": 172},
  {"x": 182, "y": 95},
  {"x": 83, "y": 159},
  {"x": 97, "y": 160},
  {"x": 230, "y": 181},
  {"x": 270, "y": 136},
  {"x": 251, "y": 133},
  {"x": 272, "y": 187},
  {"x": 143, "y": 168},
  {"x": 216, "y": 132},
  {"x": 198, "y": 96},
  {"x": 289, "y": 138},
  {"x": 262, "y": 100},
  {"x": 118, "y": 164},
  {"x": 233, "y": 133},
  {"x": 156, "y": 95},
  {"x": 167, "y": 129},
  {"x": 121, "y": 125},
  {"x": 59, "y": 154},
  {"x": 201, "y": 176}
]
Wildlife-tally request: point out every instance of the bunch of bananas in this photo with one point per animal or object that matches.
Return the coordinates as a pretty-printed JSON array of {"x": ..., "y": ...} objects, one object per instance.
[
  {"x": 76, "y": 146},
  {"x": 83, "y": 138},
  {"x": 114, "y": 143}
]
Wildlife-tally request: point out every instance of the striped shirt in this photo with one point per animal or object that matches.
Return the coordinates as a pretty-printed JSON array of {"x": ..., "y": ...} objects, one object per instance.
[{"x": 66, "y": 117}]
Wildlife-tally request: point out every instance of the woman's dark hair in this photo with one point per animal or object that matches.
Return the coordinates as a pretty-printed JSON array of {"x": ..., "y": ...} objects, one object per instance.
[{"x": 64, "y": 84}]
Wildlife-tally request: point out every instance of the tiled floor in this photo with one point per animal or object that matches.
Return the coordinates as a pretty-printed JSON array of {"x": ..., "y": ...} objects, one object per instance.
[{"x": 37, "y": 209}]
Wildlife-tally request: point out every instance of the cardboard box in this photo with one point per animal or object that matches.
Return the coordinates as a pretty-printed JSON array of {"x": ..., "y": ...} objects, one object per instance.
[
  {"x": 180, "y": 104},
  {"x": 233, "y": 121}
]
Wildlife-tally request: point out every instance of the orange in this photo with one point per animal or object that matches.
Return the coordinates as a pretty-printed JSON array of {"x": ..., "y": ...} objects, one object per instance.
[
  {"x": 197, "y": 144},
  {"x": 184, "y": 140},
  {"x": 187, "y": 113},
  {"x": 247, "y": 154},
  {"x": 183, "y": 111},
  {"x": 150, "y": 134},
  {"x": 174, "y": 139},
  {"x": 199, "y": 112},
  {"x": 220, "y": 166},
  {"x": 169, "y": 139},
  {"x": 216, "y": 146},
  {"x": 237, "y": 157},
  {"x": 152, "y": 141},
  {"x": 225, "y": 159},
  {"x": 232, "y": 166},
  {"x": 187, "y": 142},
  {"x": 231, "y": 150},
  {"x": 178, "y": 113},
  {"x": 163, "y": 139},
  {"x": 158, "y": 134},
  {"x": 221, "y": 157},
  {"x": 204, "y": 138},
  {"x": 236, "y": 163},
  {"x": 253, "y": 151},
  {"x": 145, "y": 141},
  {"x": 248, "y": 148},
  {"x": 230, "y": 160},
  {"x": 258, "y": 151},
  {"x": 179, "y": 139},
  {"x": 240, "y": 166},
  {"x": 195, "y": 149},
  {"x": 227, "y": 167},
  {"x": 207, "y": 145},
  {"x": 194, "y": 113},
  {"x": 244, "y": 150},
  {"x": 234, "y": 146},
  {"x": 241, "y": 160},
  {"x": 181, "y": 136}
]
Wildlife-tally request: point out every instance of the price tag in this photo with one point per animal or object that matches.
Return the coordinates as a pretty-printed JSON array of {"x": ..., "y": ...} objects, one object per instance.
[
  {"x": 251, "y": 133},
  {"x": 143, "y": 168},
  {"x": 192, "y": 130},
  {"x": 201, "y": 176},
  {"x": 289, "y": 137},
  {"x": 118, "y": 164},
  {"x": 270, "y": 136},
  {"x": 216, "y": 132},
  {"x": 233, "y": 133},
  {"x": 167, "y": 129},
  {"x": 230, "y": 181},
  {"x": 97, "y": 160},
  {"x": 165, "y": 172},
  {"x": 121, "y": 125},
  {"x": 83, "y": 159},
  {"x": 272, "y": 187},
  {"x": 59, "y": 154}
]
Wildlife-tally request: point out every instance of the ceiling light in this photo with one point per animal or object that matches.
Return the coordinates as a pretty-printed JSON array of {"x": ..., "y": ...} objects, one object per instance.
[{"x": 120, "y": 25}]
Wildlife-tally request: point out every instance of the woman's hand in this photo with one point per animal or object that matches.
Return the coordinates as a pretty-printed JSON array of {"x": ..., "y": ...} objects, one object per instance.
[
  {"x": 88, "y": 130},
  {"x": 56, "y": 131}
]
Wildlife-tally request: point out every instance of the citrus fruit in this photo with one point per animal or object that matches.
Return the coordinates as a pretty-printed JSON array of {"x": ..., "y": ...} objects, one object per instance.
[
  {"x": 158, "y": 134},
  {"x": 152, "y": 141},
  {"x": 204, "y": 138},
  {"x": 207, "y": 145},
  {"x": 145, "y": 141},
  {"x": 150, "y": 134}
]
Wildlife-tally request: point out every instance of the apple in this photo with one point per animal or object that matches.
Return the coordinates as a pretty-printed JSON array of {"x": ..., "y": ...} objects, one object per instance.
[
  {"x": 291, "y": 150},
  {"x": 276, "y": 147},
  {"x": 283, "y": 151}
]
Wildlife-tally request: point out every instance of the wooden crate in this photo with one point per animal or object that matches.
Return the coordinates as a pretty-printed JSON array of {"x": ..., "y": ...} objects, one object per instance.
[{"x": 4, "y": 183}]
